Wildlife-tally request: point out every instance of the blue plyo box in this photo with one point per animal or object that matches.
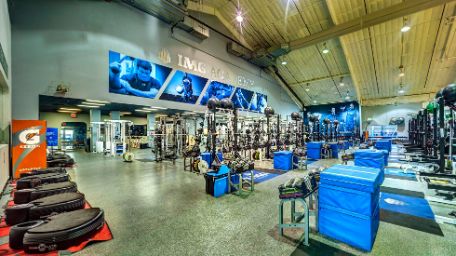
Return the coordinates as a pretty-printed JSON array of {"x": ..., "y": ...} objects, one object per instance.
[
  {"x": 314, "y": 150},
  {"x": 370, "y": 158},
  {"x": 283, "y": 160},
  {"x": 352, "y": 178},
  {"x": 351, "y": 228},
  {"x": 384, "y": 144},
  {"x": 335, "y": 150}
]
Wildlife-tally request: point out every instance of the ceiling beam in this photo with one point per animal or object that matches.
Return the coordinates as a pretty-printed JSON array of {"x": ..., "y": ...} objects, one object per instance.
[
  {"x": 317, "y": 79},
  {"x": 204, "y": 8},
  {"x": 414, "y": 98},
  {"x": 393, "y": 12}
]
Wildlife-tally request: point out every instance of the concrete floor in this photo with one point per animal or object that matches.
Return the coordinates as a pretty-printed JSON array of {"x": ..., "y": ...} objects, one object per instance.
[{"x": 158, "y": 209}]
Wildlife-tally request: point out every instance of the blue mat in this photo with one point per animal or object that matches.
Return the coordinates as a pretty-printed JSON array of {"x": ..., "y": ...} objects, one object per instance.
[
  {"x": 258, "y": 176},
  {"x": 414, "y": 206},
  {"x": 311, "y": 161},
  {"x": 397, "y": 172}
]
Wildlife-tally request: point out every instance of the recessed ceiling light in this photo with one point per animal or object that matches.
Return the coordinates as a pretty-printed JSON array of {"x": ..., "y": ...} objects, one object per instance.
[
  {"x": 65, "y": 111},
  {"x": 98, "y": 101},
  {"x": 70, "y": 109},
  {"x": 87, "y": 106},
  {"x": 142, "y": 110},
  {"x": 93, "y": 103},
  {"x": 284, "y": 63}
]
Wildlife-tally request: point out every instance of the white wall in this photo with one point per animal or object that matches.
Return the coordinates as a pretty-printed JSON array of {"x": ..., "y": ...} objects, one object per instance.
[
  {"x": 381, "y": 115},
  {"x": 55, "y": 119},
  {"x": 68, "y": 42},
  {"x": 5, "y": 78}
]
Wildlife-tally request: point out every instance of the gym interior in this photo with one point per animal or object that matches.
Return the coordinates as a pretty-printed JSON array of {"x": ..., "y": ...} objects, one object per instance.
[{"x": 227, "y": 127}]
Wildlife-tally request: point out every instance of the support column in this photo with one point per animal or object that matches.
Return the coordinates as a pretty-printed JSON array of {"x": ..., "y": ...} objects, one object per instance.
[
  {"x": 150, "y": 127},
  {"x": 115, "y": 115},
  {"x": 95, "y": 116}
]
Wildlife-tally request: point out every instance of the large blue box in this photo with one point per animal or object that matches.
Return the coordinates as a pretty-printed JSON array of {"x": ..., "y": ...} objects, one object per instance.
[
  {"x": 380, "y": 172},
  {"x": 283, "y": 160},
  {"x": 384, "y": 144},
  {"x": 352, "y": 178},
  {"x": 370, "y": 158},
  {"x": 355, "y": 229},
  {"x": 314, "y": 150},
  {"x": 348, "y": 199}
]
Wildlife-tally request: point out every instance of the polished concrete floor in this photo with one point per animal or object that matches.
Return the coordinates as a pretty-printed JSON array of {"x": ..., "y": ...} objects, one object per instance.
[{"x": 158, "y": 209}]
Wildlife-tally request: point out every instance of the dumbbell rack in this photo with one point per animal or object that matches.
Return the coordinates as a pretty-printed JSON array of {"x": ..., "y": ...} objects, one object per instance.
[{"x": 297, "y": 218}]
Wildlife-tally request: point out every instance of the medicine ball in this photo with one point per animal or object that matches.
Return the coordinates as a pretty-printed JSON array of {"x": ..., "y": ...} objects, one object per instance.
[
  {"x": 431, "y": 106},
  {"x": 268, "y": 111},
  {"x": 295, "y": 116},
  {"x": 313, "y": 118},
  {"x": 326, "y": 121},
  {"x": 336, "y": 122},
  {"x": 449, "y": 94},
  {"x": 226, "y": 103},
  {"x": 213, "y": 103}
]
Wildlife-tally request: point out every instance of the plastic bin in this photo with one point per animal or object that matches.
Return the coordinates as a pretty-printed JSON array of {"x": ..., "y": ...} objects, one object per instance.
[{"x": 216, "y": 185}]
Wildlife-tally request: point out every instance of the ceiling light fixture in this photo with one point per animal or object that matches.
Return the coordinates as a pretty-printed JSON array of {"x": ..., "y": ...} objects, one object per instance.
[
  {"x": 156, "y": 107},
  {"x": 87, "y": 106},
  {"x": 284, "y": 63},
  {"x": 65, "y": 111},
  {"x": 406, "y": 27},
  {"x": 142, "y": 110},
  {"x": 401, "y": 71},
  {"x": 93, "y": 103},
  {"x": 325, "y": 49},
  {"x": 307, "y": 87},
  {"x": 315, "y": 102},
  {"x": 239, "y": 17},
  {"x": 98, "y": 101},
  {"x": 347, "y": 97},
  {"x": 401, "y": 89},
  {"x": 341, "y": 83},
  {"x": 70, "y": 109},
  {"x": 150, "y": 109}
]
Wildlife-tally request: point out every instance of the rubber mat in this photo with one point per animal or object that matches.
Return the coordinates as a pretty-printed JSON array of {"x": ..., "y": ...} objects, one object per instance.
[
  {"x": 397, "y": 173},
  {"x": 258, "y": 176},
  {"x": 103, "y": 234},
  {"x": 414, "y": 206}
]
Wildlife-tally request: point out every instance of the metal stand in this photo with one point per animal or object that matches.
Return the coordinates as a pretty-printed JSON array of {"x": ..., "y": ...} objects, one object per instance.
[
  {"x": 297, "y": 218},
  {"x": 240, "y": 185}
]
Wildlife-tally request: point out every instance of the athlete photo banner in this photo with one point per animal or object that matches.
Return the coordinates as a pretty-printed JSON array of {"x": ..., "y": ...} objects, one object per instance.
[{"x": 29, "y": 146}]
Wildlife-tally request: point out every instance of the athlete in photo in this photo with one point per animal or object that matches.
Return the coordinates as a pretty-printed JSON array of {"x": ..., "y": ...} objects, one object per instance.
[{"x": 138, "y": 83}]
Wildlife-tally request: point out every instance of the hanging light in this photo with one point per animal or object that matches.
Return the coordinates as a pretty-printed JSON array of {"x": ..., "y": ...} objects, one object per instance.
[
  {"x": 401, "y": 89},
  {"x": 325, "y": 49},
  {"x": 307, "y": 87},
  {"x": 239, "y": 17},
  {"x": 401, "y": 71},
  {"x": 315, "y": 102},
  {"x": 406, "y": 27},
  {"x": 284, "y": 62},
  {"x": 341, "y": 83},
  {"x": 347, "y": 97}
]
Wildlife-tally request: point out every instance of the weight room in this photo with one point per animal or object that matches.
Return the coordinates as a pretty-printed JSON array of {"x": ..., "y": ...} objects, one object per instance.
[{"x": 228, "y": 127}]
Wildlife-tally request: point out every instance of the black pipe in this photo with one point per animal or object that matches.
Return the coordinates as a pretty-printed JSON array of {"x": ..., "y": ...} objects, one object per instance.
[{"x": 442, "y": 135}]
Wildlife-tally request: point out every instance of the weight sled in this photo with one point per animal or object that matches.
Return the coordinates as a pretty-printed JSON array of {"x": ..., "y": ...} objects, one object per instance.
[
  {"x": 36, "y": 180},
  {"x": 56, "y": 232},
  {"x": 26, "y": 195},
  {"x": 44, "y": 171},
  {"x": 59, "y": 160},
  {"x": 42, "y": 207}
]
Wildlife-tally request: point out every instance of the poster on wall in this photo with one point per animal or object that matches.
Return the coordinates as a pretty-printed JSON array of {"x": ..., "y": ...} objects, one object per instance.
[
  {"x": 184, "y": 87},
  {"x": 259, "y": 102},
  {"x": 241, "y": 98},
  {"x": 346, "y": 113},
  {"x": 29, "y": 146},
  {"x": 134, "y": 76},
  {"x": 217, "y": 89}
]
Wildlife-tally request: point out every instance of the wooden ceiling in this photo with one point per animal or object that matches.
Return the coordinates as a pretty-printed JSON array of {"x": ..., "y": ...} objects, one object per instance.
[{"x": 367, "y": 61}]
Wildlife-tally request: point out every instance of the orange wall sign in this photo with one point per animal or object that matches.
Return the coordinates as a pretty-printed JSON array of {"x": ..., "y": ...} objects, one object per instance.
[{"x": 29, "y": 145}]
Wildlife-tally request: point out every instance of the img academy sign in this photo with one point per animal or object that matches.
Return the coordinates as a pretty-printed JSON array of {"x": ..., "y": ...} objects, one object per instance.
[{"x": 214, "y": 73}]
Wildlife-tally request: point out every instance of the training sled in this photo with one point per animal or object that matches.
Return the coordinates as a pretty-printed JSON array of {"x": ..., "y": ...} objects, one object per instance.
[
  {"x": 24, "y": 196},
  {"x": 42, "y": 207}
]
